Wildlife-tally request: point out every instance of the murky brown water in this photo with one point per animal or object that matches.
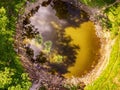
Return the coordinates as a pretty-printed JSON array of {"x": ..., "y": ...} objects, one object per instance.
[{"x": 71, "y": 36}]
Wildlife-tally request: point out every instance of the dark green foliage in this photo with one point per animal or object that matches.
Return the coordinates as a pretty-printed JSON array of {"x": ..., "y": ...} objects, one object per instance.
[
  {"x": 113, "y": 21},
  {"x": 7, "y": 53},
  {"x": 12, "y": 75}
]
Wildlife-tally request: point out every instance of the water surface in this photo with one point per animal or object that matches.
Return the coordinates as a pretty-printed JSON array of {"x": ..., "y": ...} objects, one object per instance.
[{"x": 73, "y": 38}]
